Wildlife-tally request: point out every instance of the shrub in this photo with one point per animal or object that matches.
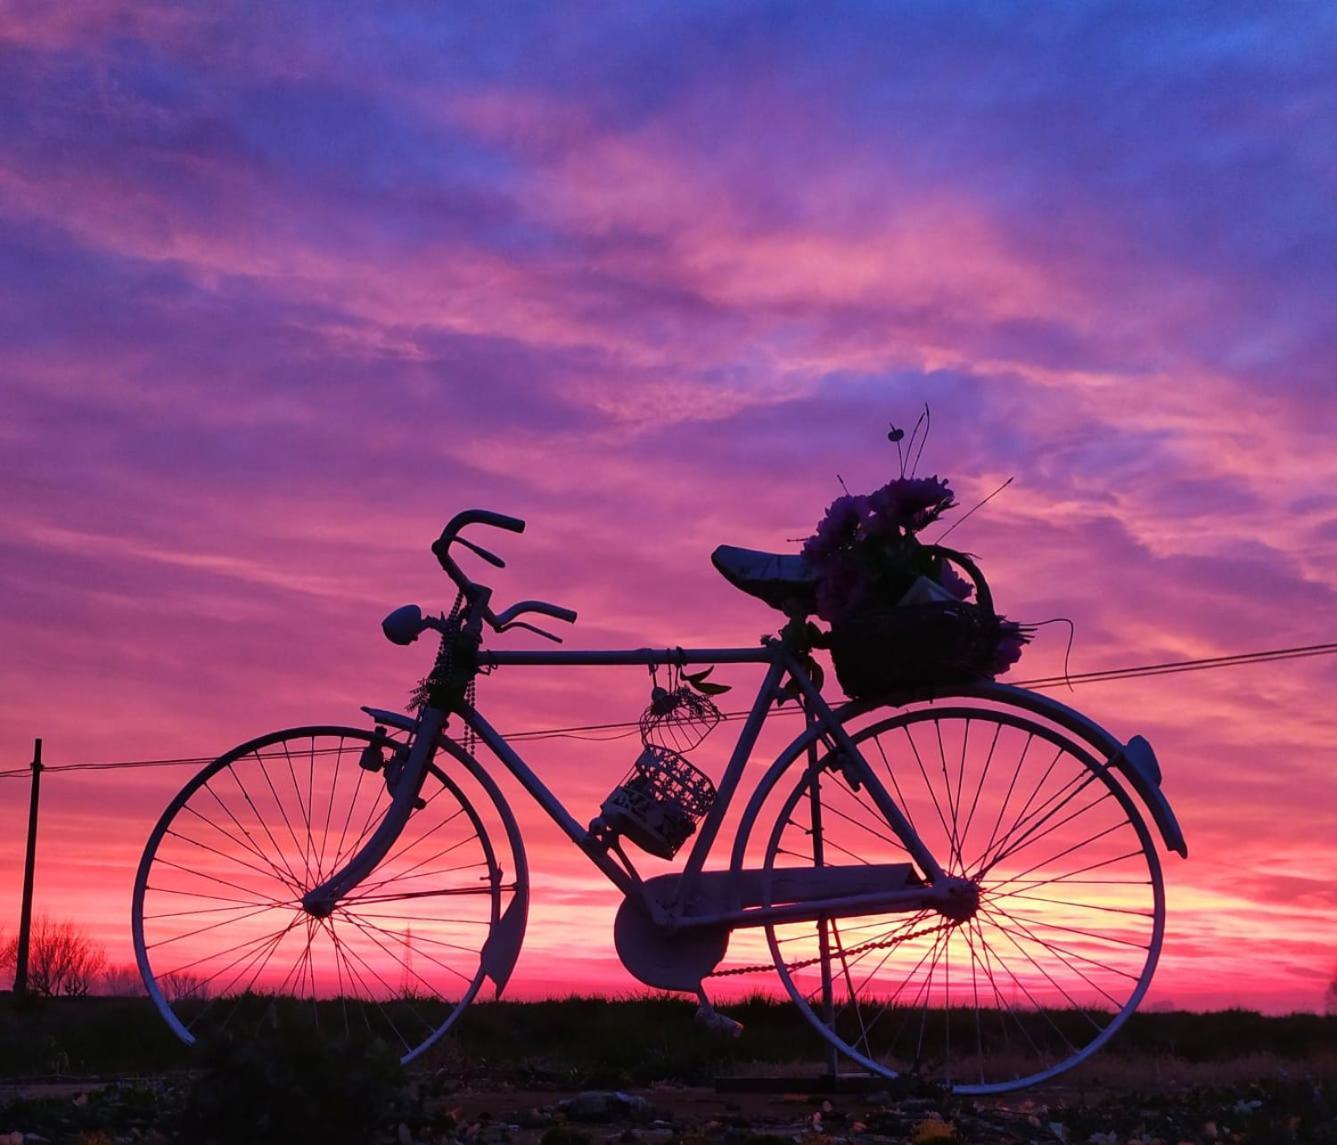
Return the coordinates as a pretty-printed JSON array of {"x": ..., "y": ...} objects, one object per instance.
[{"x": 291, "y": 1082}]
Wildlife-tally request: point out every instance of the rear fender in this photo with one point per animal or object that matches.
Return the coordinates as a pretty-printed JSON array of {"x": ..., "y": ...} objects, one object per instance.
[{"x": 1136, "y": 762}]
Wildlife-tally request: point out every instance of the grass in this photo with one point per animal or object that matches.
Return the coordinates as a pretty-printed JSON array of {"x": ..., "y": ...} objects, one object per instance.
[
  {"x": 582, "y": 1041},
  {"x": 1233, "y": 1076}
]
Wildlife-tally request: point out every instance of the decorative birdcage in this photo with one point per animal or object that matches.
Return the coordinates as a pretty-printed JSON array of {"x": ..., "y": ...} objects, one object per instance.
[
  {"x": 678, "y": 719},
  {"x": 658, "y": 805}
]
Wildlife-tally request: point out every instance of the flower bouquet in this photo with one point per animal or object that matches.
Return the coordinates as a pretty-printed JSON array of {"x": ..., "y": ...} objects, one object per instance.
[{"x": 900, "y": 611}]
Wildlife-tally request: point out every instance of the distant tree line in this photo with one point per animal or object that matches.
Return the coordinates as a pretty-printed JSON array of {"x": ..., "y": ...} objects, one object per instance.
[{"x": 65, "y": 962}]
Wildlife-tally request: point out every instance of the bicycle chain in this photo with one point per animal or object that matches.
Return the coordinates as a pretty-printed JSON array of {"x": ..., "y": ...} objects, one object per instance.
[{"x": 883, "y": 944}]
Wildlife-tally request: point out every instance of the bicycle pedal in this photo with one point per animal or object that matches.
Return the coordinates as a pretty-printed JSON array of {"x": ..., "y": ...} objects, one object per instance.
[{"x": 717, "y": 1023}]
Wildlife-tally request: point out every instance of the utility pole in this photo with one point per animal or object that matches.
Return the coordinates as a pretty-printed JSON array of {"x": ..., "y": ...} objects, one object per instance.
[{"x": 25, "y": 917}]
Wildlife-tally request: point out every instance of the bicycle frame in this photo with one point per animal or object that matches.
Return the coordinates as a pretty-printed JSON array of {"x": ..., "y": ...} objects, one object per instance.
[{"x": 936, "y": 890}]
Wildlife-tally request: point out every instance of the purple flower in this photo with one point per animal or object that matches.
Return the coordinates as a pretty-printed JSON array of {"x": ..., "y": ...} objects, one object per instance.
[
  {"x": 1007, "y": 652},
  {"x": 837, "y": 528},
  {"x": 842, "y": 589},
  {"x": 954, "y": 582},
  {"x": 908, "y": 504}
]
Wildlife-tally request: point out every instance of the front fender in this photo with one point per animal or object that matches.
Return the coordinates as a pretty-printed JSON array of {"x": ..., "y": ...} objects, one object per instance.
[{"x": 502, "y": 948}]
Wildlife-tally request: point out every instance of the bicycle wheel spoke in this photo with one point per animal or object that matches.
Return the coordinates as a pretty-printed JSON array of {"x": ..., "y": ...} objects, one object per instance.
[
  {"x": 907, "y": 808},
  {"x": 303, "y": 815},
  {"x": 1071, "y": 879},
  {"x": 398, "y": 853},
  {"x": 1076, "y": 903},
  {"x": 979, "y": 787},
  {"x": 1077, "y": 970},
  {"x": 1045, "y": 973},
  {"x": 383, "y": 938},
  {"x": 263, "y": 820},
  {"x": 224, "y": 855},
  {"x": 400, "y": 874},
  {"x": 1069, "y": 952},
  {"x": 1058, "y": 949},
  {"x": 165, "y": 890},
  {"x": 185, "y": 934},
  {"x": 168, "y": 864},
  {"x": 1023, "y": 757},
  {"x": 1033, "y": 834},
  {"x": 219, "y": 899},
  {"x": 246, "y": 839},
  {"x": 1063, "y": 854}
]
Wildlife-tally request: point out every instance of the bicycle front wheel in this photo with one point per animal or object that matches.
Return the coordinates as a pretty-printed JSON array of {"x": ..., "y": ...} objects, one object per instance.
[
  {"x": 220, "y": 932},
  {"x": 1071, "y": 906}
]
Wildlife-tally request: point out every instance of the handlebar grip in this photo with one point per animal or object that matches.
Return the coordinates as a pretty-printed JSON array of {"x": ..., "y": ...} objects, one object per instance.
[
  {"x": 507, "y": 617},
  {"x": 482, "y": 517},
  {"x": 554, "y": 610}
]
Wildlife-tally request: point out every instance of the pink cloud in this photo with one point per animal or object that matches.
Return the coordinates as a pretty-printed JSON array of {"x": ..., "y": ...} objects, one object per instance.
[{"x": 275, "y": 314}]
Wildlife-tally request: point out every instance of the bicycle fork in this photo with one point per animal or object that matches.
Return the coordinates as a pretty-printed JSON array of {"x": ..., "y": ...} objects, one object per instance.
[{"x": 321, "y": 900}]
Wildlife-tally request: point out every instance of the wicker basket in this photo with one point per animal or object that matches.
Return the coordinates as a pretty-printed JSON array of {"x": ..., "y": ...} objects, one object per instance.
[
  {"x": 913, "y": 646},
  {"x": 660, "y": 803},
  {"x": 895, "y": 648}
]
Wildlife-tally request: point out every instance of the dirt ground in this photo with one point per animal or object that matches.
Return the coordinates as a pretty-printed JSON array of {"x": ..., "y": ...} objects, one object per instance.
[{"x": 1258, "y": 1103}]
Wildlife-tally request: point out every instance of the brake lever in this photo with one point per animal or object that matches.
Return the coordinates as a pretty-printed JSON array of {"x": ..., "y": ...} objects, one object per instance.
[
  {"x": 531, "y": 627},
  {"x": 491, "y": 558}
]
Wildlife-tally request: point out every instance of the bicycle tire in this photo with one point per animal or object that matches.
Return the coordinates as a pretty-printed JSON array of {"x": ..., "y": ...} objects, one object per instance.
[
  {"x": 1072, "y": 906},
  {"x": 219, "y": 931}
]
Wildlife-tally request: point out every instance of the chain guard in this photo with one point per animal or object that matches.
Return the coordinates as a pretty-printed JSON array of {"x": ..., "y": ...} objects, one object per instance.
[{"x": 666, "y": 960}]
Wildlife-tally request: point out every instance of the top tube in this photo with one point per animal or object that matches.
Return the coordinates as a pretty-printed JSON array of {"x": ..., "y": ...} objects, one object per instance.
[{"x": 763, "y": 654}]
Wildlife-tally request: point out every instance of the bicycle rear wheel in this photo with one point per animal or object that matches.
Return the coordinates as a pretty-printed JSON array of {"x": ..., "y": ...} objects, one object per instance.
[
  {"x": 1071, "y": 902},
  {"x": 220, "y": 932}
]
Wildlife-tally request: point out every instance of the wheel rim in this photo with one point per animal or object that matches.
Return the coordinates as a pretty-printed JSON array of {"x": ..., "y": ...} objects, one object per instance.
[
  {"x": 219, "y": 929},
  {"x": 1071, "y": 913}
]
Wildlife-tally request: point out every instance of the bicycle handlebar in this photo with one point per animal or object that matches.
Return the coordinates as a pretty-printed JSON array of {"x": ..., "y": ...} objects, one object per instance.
[
  {"x": 482, "y": 517},
  {"x": 554, "y": 610},
  {"x": 449, "y": 536},
  {"x": 481, "y": 594}
]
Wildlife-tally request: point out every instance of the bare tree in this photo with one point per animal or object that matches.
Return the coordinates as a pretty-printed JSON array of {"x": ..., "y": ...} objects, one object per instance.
[
  {"x": 61, "y": 959},
  {"x": 121, "y": 982},
  {"x": 182, "y": 985},
  {"x": 8, "y": 954}
]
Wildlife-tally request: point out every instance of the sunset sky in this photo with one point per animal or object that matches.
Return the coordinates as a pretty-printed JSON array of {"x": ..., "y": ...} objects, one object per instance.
[{"x": 283, "y": 287}]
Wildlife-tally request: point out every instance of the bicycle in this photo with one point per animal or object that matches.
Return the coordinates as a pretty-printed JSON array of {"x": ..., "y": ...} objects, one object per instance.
[{"x": 962, "y": 885}]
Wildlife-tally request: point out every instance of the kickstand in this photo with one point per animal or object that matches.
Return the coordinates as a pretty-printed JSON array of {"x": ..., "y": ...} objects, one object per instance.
[{"x": 712, "y": 1019}]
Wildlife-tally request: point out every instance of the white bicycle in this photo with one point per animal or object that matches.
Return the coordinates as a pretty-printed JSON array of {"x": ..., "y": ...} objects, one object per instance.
[{"x": 962, "y": 886}]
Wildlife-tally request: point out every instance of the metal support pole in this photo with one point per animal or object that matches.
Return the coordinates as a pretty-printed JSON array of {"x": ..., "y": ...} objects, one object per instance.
[
  {"x": 29, "y": 866},
  {"x": 824, "y": 924}
]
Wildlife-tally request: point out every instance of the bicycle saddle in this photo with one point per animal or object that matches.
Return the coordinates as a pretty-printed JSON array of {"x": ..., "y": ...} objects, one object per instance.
[{"x": 783, "y": 580}]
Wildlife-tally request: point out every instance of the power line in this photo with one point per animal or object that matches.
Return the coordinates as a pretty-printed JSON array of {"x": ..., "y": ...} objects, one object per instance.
[{"x": 626, "y": 728}]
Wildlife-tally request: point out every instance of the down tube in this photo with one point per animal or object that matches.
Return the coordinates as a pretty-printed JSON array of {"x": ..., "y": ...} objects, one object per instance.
[{"x": 543, "y": 796}]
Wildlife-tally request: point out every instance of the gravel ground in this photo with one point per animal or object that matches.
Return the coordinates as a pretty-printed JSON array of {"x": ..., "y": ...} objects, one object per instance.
[{"x": 439, "y": 1111}]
